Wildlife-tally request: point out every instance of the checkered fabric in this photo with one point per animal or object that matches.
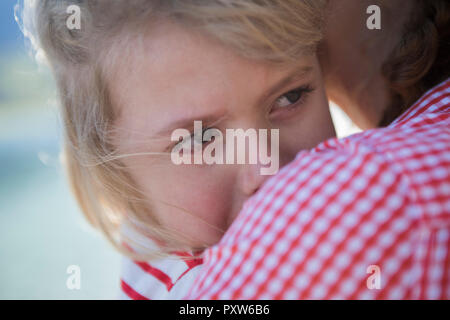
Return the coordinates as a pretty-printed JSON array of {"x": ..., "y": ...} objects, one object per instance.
[
  {"x": 169, "y": 278},
  {"x": 365, "y": 217}
]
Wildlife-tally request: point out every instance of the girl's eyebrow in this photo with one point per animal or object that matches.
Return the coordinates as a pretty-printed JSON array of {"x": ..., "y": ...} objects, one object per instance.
[
  {"x": 297, "y": 74},
  {"x": 188, "y": 123}
]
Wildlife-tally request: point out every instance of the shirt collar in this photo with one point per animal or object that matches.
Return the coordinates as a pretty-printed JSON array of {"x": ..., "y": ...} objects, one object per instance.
[{"x": 429, "y": 99}]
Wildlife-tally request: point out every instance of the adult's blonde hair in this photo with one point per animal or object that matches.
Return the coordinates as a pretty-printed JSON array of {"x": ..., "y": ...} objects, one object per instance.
[{"x": 273, "y": 31}]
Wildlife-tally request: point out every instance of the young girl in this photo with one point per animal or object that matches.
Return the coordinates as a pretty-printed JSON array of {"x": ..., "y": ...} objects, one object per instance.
[
  {"x": 368, "y": 216},
  {"x": 137, "y": 70}
]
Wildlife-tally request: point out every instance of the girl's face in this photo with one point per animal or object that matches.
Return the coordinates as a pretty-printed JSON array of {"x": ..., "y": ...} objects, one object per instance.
[{"x": 180, "y": 77}]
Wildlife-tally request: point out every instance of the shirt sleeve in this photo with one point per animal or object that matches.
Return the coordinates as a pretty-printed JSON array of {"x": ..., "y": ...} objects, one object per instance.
[{"x": 339, "y": 222}]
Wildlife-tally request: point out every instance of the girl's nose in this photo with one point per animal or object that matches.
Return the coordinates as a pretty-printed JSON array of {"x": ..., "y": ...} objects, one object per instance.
[
  {"x": 251, "y": 178},
  {"x": 252, "y": 175}
]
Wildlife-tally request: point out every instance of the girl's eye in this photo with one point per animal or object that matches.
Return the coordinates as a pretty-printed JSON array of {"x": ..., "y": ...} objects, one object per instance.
[
  {"x": 192, "y": 139},
  {"x": 292, "y": 98}
]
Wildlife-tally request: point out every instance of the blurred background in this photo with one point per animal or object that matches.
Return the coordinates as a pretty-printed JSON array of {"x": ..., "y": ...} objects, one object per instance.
[{"x": 42, "y": 231}]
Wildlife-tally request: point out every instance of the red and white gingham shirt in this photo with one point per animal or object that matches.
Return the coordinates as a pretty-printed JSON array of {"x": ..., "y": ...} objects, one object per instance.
[
  {"x": 378, "y": 200},
  {"x": 168, "y": 278}
]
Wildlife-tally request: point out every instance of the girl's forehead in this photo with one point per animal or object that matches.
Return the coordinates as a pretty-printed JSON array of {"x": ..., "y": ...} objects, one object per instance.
[
  {"x": 173, "y": 53},
  {"x": 176, "y": 72}
]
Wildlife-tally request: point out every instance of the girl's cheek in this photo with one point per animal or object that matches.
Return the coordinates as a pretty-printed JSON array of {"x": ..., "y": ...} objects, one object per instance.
[
  {"x": 204, "y": 191},
  {"x": 209, "y": 208}
]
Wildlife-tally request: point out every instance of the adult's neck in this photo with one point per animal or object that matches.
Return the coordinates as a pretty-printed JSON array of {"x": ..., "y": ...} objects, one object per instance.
[{"x": 352, "y": 56}]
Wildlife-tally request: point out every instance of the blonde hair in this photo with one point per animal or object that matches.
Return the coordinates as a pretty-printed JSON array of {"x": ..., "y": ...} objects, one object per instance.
[{"x": 275, "y": 31}]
